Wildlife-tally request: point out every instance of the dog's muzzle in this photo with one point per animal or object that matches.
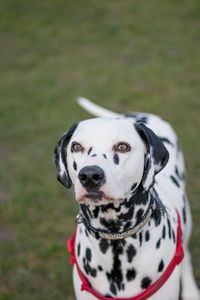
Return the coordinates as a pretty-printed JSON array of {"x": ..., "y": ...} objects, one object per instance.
[{"x": 92, "y": 178}]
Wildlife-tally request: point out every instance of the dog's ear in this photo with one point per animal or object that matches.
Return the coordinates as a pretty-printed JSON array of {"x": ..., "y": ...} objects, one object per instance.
[
  {"x": 156, "y": 157},
  {"x": 60, "y": 153}
]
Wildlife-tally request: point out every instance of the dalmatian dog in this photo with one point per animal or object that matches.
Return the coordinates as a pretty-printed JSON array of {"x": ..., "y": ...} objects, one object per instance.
[{"x": 128, "y": 176}]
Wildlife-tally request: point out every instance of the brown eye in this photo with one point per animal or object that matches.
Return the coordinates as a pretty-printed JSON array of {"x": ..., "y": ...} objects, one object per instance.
[
  {"x": 122, "y": 147},
  {"x": 76, "y": 147}
]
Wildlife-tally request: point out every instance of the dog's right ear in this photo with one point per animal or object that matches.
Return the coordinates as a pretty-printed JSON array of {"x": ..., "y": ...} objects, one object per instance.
[
  {"x": 156, "y": 157},
  {"x": 60, "y": 153}
]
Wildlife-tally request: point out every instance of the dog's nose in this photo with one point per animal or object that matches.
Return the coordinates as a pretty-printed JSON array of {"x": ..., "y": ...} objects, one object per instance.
[{"x": 91, "y": 177}]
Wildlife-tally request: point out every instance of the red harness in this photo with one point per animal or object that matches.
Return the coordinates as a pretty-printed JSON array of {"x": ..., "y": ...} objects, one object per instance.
[{"x": 152, "y": 289}]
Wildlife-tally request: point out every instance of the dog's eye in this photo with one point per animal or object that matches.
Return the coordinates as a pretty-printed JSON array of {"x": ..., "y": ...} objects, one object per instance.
[
  {"x": 122, "y": 147},
  {"x": 76, "y": 147}
]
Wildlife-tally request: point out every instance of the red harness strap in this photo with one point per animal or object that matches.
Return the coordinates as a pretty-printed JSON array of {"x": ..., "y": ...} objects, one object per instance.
[{"x": 152, "y": 289}]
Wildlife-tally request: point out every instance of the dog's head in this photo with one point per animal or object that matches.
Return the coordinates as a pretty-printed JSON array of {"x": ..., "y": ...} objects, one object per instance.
[{"x": 106, "y": 159}]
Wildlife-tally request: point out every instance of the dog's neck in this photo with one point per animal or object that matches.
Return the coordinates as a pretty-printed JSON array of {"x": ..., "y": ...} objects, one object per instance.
[{"x": 120, "y": 217}]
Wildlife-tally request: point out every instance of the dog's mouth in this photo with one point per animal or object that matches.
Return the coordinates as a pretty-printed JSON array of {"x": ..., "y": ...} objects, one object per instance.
[{"x": 96, "y": 198}]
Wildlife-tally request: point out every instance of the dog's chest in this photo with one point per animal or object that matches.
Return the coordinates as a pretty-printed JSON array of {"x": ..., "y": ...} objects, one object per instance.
[{"x": 124, "y": 268}]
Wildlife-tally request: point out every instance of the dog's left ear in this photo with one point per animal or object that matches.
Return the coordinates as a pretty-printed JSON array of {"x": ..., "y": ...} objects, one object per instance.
[
  {"x": 60, "y": 154},
  {"x": 156, "y": 157}
]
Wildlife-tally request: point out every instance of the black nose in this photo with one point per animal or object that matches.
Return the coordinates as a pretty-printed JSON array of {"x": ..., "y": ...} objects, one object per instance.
[{"x": 91, "y": 177}]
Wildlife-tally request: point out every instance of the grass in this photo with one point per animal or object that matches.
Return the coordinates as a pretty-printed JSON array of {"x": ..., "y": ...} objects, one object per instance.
[{"x": 126, "y": 55}]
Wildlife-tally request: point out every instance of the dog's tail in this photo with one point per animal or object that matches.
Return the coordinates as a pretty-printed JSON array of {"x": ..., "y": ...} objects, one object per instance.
[{"x": 96, "y": 110}]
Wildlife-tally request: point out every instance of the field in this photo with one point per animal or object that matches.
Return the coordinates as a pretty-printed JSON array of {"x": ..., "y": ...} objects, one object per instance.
[{"x": 124, "y": 55}]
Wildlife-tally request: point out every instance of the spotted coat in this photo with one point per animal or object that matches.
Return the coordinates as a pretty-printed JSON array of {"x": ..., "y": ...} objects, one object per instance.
[{"x": 151, "y": 167}]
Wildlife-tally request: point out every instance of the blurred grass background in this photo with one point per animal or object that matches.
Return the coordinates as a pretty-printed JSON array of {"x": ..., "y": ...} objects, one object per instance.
[{"x": 125, "y": 55}]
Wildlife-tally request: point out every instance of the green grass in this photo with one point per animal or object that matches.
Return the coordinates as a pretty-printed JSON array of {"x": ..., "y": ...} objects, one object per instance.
[{"x": 125, "y": 55}]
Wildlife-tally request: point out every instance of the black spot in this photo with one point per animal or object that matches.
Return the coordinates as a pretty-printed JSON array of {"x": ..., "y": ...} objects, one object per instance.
[
  {"x": 141, "y": 197},
  {"x": 113, "y": 289},
  {"x": 119, "y": 247},
  {"x": 173, "y": 236},
  {"x": 104, "y": 245},
  {"x": 74, "y": 165},
  {"x": 130, "y": 274},
  {"x": 89, "y": 151},
  {"x": 128, "y": 215},
  {"x": 128, "y": 202},
  {"x": 116, "y": 158},
  {"x": 156, "y": 216},
  {"x": 161, "y": 266},
  {"x": 111, "y": 225},
  {"x": 146, "y": 281},
  {"x": 158, "y": 244},
  {"x": 160, "y": 209},
  {"x": 139, "y": 215},
  {"x": 127, "y": 225},
  {"x": 94, "y": 155},
  {"x": 115, "y": 276},
  {"x": 96, "y": 212},
  {"x": 140, "y": 238},
  {"x": 100, "y": 268},
  {"x": 174, "y": 181},
  {"x": 169, "y": 229},
  {"x": 134, "y": 236},
  {"x": 164, "y": 232},
  {"x": 105, "y": 208},
  {"x": 79, "y": 249},
  {"x": 124, "y": 201},
  {"x": 177, "y": 172},
  {"x": 133, "y": 186},
  {"x": 118, "y": 209},
  {"x": 88, "y": 254},
  {"x": 184, "y": 215},
  {"x": 131, "y": 252},
  {"x": 104, "y": 155},
  {"x": 181, "y": 176},
  {"x": 147, "y": 236},
  {"x": 88, "y": 269}
]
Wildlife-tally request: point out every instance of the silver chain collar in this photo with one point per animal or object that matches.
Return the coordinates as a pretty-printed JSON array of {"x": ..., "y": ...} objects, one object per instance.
[{"x": 117, "y": 236}]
